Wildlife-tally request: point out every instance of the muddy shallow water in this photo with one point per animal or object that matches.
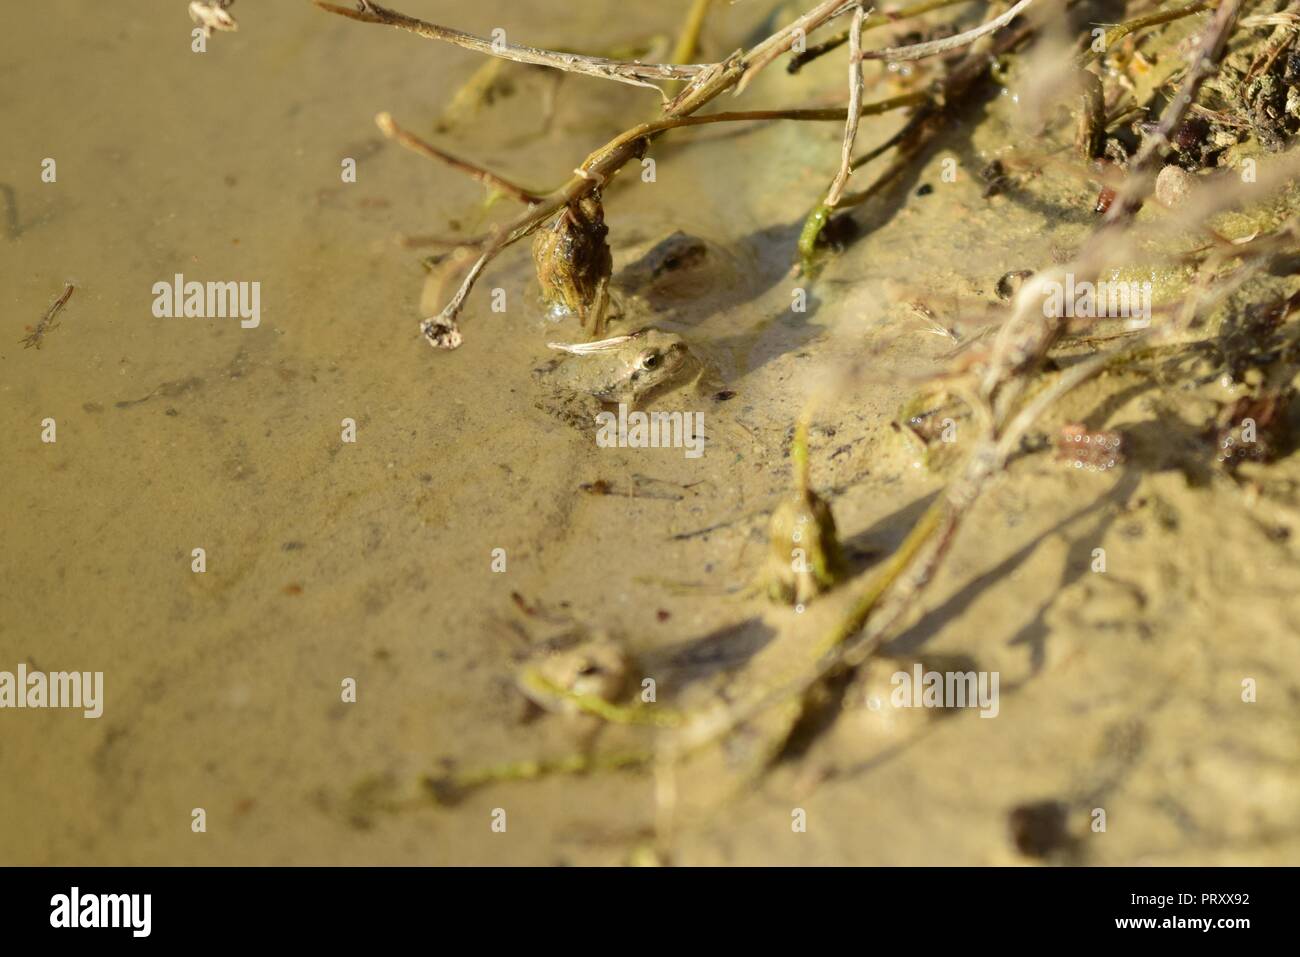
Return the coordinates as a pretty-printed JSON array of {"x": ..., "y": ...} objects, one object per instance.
[{"x": 372, "y": 560}]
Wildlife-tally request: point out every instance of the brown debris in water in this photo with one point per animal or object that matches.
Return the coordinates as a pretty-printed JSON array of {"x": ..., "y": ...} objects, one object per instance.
[
  {"x": 48, "y": 321},
  {"x": 574, "y": 262}
]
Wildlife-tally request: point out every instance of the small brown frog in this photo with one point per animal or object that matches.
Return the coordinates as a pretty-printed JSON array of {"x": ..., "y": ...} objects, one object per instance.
[
  {"x": 929, "y": 423},
  {"x": 574, "y": 263},
  {"x": 597, "y": 668},
  {"x": 627, "y": 369},
  {"x": 670, "y": 261}
]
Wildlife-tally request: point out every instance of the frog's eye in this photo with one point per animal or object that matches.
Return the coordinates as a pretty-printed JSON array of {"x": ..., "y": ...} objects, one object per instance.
[{"x": 649, "y": 359}]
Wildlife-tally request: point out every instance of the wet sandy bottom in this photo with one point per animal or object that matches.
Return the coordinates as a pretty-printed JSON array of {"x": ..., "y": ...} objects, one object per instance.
[{"x": 371, "y": 560}]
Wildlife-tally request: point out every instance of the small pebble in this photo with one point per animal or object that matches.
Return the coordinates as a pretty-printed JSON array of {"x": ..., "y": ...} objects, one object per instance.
[{"x": 1173, "y": 186}]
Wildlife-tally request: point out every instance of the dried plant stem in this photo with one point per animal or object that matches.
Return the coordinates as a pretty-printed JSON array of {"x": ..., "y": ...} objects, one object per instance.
[
  {"x": 636, "y": 74},
  {"x": 855, "y": 104},
  {"x": 654, "y": 127},
  {"x": 875, "y": 20},
  {"x": 764, "y": 53},
  {"x": 706, "y": 83},
  {"x": 488, "y": 178},
  {"x": 919, "y": 51},
  {"x": 919, "y": 131},
  {"x": 926, "y": 123},
  {"x": 1091, "y": 138},
  {"x": 1285, "y": 24}
]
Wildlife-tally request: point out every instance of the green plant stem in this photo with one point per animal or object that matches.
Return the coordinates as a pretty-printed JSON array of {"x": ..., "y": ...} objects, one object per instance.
[{"x": 607, "y": 710}]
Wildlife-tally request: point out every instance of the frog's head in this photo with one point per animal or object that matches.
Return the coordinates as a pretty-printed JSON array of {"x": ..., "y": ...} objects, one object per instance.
[
  {"x": 598, "y": 668},
  {"x": 631, "y": 367}
]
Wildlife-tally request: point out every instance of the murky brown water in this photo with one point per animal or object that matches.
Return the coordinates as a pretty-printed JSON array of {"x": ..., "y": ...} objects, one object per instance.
[{"x": 372, "y": 560}]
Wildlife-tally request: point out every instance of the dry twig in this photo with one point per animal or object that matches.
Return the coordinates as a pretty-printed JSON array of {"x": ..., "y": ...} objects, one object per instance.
[
  {"x": 920, "y": 51},
  {"x": 488, "y": 178},
  {"x": 636, "y": 74},
  {"x": 855, "y": 104}
]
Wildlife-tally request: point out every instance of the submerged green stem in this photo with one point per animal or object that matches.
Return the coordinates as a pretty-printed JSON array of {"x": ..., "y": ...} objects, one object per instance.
[
  {"x": 880, "y": 583},
  {"x": 808, "y": 236},
  {"x": 799, "y": 455},
  {"x": 689, "y": 41},
  {"x": 452, "y": 787},
  {"x": 598, "y": 706}
]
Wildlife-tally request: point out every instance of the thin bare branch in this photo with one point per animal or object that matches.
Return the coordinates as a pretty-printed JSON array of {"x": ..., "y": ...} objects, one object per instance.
[
  {"x": 653, "y": 127},
  {"x": 631, "y": 72},
  {"x": 781, "y": 41},
  {"x": 800, "y": 60},
  {"x": 490, "y": 179},
  {"x": 919, "y": 51},
  {"x": 855, "y": 105}
]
